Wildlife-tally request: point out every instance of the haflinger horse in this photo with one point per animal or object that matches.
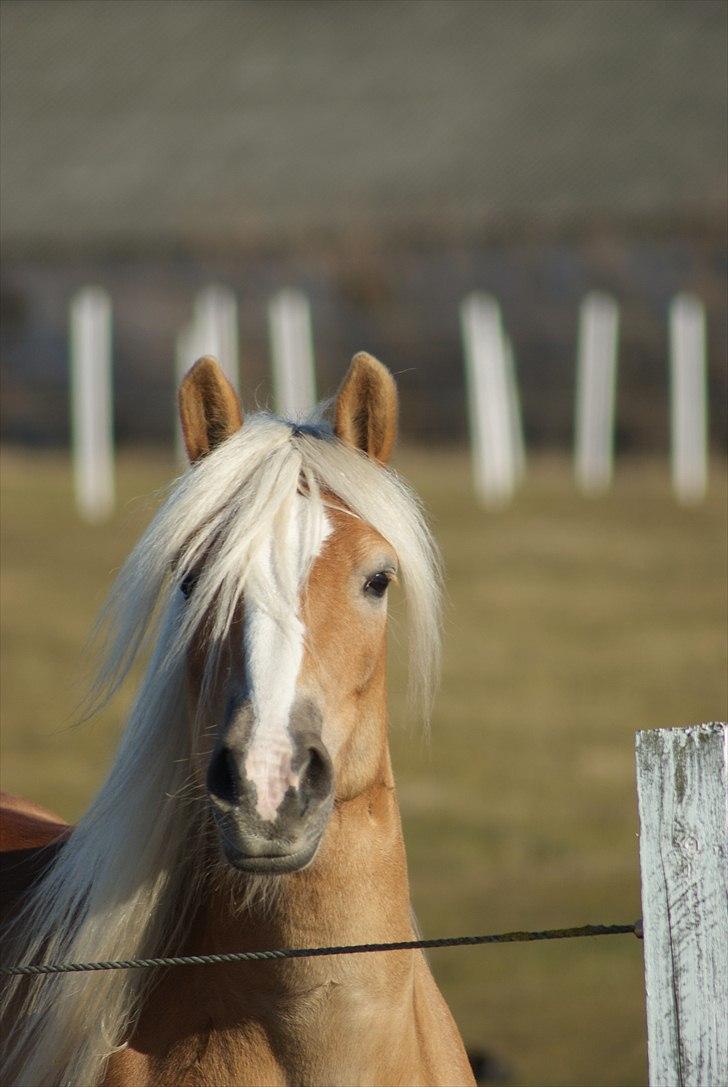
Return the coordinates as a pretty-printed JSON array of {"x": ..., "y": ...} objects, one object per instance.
[{"x": 251, "y": 804}]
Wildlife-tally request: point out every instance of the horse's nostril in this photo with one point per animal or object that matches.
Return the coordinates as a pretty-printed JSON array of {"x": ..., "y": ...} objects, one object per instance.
[
  {"x": 223, "y": 777},
  {"x": 316, "y": 776}
]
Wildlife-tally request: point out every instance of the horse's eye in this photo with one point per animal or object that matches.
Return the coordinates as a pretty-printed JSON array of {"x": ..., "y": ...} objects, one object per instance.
[
  {"x": 377, "y": 584},
  {"x": 188, "y": 584}
]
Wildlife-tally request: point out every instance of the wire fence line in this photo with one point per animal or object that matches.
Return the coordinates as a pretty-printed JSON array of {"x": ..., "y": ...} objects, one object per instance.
[{"x": 635, "y": 928}]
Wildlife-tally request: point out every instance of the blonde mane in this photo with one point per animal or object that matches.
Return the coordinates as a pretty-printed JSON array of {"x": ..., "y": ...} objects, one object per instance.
[{"x": 123, "y": 886}]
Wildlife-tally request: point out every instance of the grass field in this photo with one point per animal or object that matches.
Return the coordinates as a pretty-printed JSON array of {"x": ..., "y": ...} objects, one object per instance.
[{"x": 570, "y": 624}]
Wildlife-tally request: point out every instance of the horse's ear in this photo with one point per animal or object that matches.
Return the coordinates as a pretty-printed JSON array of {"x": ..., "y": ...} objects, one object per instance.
[
  {"x": 366, "y": 408},
  {"x": 209, "y": 408}
]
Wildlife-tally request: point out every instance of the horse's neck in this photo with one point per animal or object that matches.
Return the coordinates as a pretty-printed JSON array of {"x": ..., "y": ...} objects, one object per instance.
[
  {"x": 356, "y": 891},
  {"x": 303, "y": 1010},
  {"x": 266, "y": 1016},
  {"x": 365, "y": 1018}
]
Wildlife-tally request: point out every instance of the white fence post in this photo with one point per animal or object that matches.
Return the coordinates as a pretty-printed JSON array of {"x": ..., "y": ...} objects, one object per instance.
[
  {"x": 595, "y": 390},
  {"x": 216, "y": 330},
  {"x": 291, "y": 339},
  {"x": 213, "y": 330},
  {"x": 514, "y": 403},
  {"x": 490, "y": 404},
  {"x": 92, "y": 403},
  {"x": 682, "y": 784},
  {"x": 185, "y": 354},
  {"x": 688, "y": 398}
]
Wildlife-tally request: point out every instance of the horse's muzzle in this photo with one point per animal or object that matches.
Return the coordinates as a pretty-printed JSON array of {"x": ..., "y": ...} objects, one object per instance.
[{"x": 258, "y": 834}]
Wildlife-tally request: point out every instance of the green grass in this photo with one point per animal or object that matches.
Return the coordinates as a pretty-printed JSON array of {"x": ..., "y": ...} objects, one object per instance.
[{"x": 570, "y": 624}]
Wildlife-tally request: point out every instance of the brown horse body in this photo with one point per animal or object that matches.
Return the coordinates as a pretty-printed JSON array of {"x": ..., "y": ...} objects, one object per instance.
[
  {"x": 25, "y": 825},
  {"x": 28, "y": 834},
  {"x": 307, "y": 821}
]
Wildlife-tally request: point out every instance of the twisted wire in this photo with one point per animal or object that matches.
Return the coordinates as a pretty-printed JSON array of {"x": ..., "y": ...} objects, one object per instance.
[{"x": 31, "y": 970}]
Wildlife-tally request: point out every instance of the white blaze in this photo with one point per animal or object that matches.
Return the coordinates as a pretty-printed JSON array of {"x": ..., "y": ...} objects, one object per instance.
[{"x": 274, "y": 642}]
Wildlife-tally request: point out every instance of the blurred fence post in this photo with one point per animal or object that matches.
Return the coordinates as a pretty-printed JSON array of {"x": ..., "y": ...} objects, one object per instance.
[
  {"x": 213, "y": 330},
  {"x": 291, "y": 339},
  {"x": 216, "y": 330},
  {"x": 516, "y": 418},
  {"x": 186, "y": 352},
  {"x": 92, "y": 403},
  {"x": 595, "y": 391},
  {"x": 682, "y": 786},
  {"x": 688, "y": 399},
  {"x": 490, "y": 403}
]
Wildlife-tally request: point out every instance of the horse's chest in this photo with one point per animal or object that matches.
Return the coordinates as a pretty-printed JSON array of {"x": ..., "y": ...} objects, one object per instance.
[
  {"x": 332, "y": 1034},
  {"x": 205, "y": 1058}
]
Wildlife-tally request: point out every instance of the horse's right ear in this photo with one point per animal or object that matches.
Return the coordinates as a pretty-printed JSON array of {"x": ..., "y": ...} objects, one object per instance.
[
  {"x": 209, "y": 408},
  {"x": 365, "y": 414}
]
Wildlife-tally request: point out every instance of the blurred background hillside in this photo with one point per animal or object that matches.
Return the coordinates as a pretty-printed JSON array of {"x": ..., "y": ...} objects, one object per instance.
[{"x": 388, "y": 158}]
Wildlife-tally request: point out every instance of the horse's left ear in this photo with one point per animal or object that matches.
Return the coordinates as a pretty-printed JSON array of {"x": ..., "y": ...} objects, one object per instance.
[
  {"x": 209, "y": 408},
  {"x": 366, "y": 408}
]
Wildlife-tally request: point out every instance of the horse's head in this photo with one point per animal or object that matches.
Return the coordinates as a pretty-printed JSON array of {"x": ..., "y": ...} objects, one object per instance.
[{"x": 293, "y": 707}]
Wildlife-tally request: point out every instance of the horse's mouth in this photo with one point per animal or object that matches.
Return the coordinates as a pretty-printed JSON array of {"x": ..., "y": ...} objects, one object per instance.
[
  {"x": 252, "y": 845},
  {"x": 268, "y": 863}
]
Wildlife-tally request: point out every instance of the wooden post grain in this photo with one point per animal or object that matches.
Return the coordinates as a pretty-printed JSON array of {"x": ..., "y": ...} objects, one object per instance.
[{"x": 682, "y": 782}]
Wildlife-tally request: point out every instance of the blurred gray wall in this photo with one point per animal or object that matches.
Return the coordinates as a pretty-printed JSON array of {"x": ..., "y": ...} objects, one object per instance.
[{"x": 386, "y": 156}]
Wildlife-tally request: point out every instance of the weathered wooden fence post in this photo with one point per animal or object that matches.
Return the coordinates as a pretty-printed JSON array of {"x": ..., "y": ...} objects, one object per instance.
[{"x": 682, "y": 784}]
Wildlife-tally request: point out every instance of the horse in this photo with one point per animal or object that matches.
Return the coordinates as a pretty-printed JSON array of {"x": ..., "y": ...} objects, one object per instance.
[{"x": 251, "y": 803}]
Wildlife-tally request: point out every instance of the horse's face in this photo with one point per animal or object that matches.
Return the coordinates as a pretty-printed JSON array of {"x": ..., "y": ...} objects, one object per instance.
[{"x": 295, "y": 716}]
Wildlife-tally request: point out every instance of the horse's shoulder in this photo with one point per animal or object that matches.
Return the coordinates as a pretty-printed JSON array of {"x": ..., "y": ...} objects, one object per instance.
[{"x": 30, "y": 837}]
